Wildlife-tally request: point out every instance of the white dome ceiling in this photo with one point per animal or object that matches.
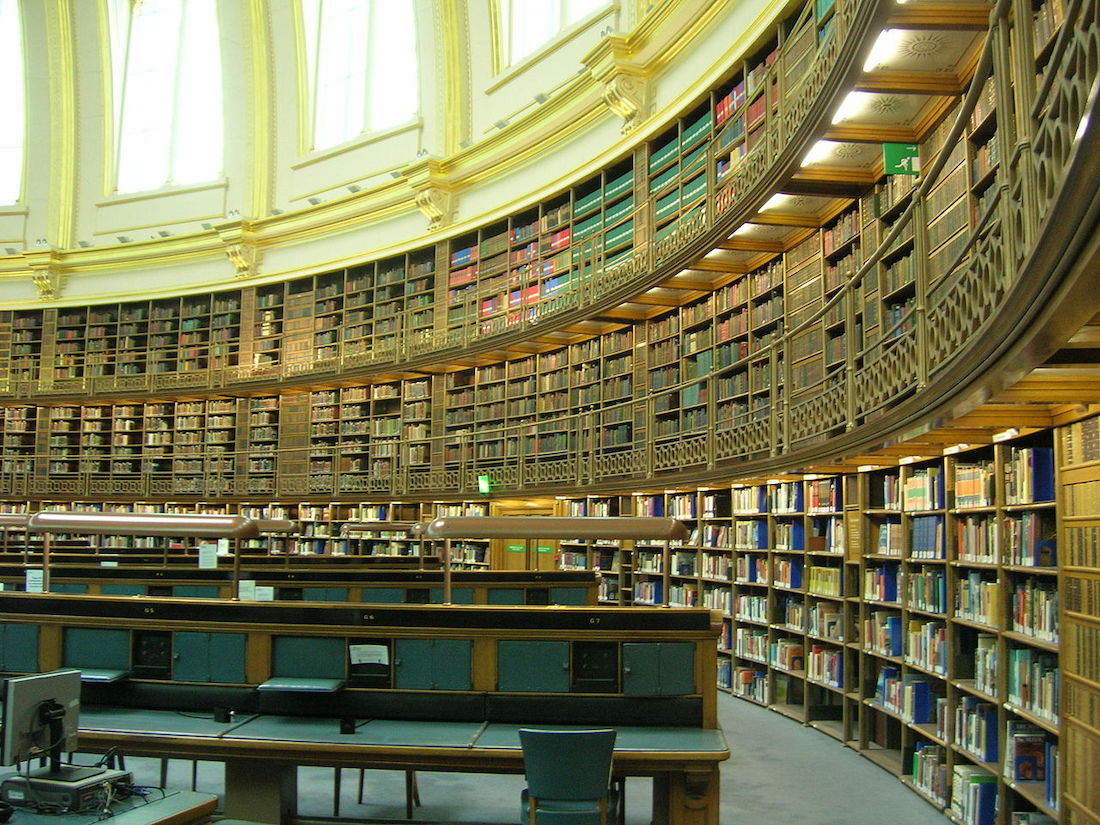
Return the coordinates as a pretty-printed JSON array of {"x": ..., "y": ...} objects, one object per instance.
[{"x": 488, "y": 142}]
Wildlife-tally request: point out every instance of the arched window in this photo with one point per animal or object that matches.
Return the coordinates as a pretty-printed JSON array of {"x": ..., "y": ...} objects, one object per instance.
[
  {"x": 362, "y": 67},
  {"x": 168, "y": 92},
  {"x": 13, "y": 123},
  {"x": 528, "y": 24}
]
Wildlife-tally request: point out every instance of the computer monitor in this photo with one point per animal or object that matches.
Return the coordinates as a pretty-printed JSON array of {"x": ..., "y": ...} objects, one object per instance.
[{"x": 41, "y": 715}]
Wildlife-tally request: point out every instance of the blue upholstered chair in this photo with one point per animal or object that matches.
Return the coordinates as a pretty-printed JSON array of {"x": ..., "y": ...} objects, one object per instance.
[{"x": 568, "y": 777}]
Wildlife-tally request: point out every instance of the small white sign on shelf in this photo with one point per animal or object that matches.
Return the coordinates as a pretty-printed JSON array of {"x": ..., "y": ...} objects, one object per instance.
[{"x": 32, "y": 580}]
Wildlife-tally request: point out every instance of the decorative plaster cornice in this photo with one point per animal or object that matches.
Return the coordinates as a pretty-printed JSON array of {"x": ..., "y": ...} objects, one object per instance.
[
  {"x": 627, "y": 84},
  {"x": 46, "y": 274},
  {"x": 239, "y": 238},
  {"x": 434, "y": 191}
]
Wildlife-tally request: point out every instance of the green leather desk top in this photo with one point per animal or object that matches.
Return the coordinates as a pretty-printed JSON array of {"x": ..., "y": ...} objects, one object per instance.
[
  {"x": 169, "y": 722},
  {"x": 381, "y": 732},
  {"x": 628, "y": 738}
]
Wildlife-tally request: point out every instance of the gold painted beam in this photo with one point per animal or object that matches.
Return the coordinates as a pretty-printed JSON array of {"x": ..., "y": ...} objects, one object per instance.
[
  {"x": 899, "y": 83},
  {"x": 940, "y": 16}
]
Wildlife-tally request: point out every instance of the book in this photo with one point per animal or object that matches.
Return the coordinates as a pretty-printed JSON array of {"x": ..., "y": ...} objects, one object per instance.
[{"x": 1025, "y": 752}]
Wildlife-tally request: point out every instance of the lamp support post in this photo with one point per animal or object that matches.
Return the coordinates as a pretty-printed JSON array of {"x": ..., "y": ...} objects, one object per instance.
[
  {"x": 45, "y": 562},
  {"x": 446, "y": 571},
  {"x": 236, "y": 594}
]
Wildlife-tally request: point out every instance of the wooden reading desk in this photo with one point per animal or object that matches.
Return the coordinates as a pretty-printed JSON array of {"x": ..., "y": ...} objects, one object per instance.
[
  {"x": 416, "y": 686},
  {"x": 261, "y": 754}
]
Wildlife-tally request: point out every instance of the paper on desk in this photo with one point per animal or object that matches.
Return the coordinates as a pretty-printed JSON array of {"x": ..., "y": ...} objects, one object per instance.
[{"x": 369, "y": 654}]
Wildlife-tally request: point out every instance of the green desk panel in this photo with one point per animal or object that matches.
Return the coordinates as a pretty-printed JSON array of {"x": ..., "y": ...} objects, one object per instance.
[
  {"x": 432, "y": 664},
  {"x": 19, "y": 648},
  {"x": 123, "y": 590},
  {"x": 568, "y": 595},
  {"x": 506, "y": 595},
  {"x": 325, "y": 594},
  {"x": 459, "y": 595},
  {"x": 95, "y": 648},
  {"x": 658, "y": 668},
  {"x": 69, "y": 588},
  {"x": 195, "y": 591},
  {"x": 310, "y": 657},
  {"x": 533, "y": 666},
  {"x": 208, "y": 657},
  {"x": 384, "y": 595}
]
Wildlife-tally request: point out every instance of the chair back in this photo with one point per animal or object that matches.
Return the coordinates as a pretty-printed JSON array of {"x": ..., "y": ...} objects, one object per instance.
[{"x": 567, "y": 764}]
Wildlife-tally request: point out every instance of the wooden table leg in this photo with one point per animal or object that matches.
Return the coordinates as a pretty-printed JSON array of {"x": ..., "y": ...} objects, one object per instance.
[
  {"x": 687, "y": 797},
  {"x": 260, "y": 791}
]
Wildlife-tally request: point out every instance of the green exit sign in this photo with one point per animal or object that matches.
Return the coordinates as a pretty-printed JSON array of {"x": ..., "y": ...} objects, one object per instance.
[
  {"x": 901, "y": 158},
  {"x": 484, "y": 485}
]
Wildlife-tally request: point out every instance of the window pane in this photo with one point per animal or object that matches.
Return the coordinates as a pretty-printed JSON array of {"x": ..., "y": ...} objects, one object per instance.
[
  {"x": 578, "y": 9},
  {"x": 12, "y": 125},
  {"x": 198, "y": 152},
  {"x": 340, "y": 72},
  {"x": 148, "y": 94},
  {"x": 533, "y": 22},
  {"x": 392, "y": 67},
  {"x": 172, "y": 122}
]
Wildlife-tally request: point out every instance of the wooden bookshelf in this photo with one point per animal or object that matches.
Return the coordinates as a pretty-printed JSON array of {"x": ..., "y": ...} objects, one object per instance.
[{"x": 1078, "y": 455}]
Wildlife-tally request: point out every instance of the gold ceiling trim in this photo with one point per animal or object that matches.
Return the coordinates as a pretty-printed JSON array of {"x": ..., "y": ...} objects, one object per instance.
[
  {"x": 451, "y": 28},
  {"x": 63, "y": 123},
  {"x": 106, "y": 71},
  {"x": 261, "y": 70},
  {"x": 301, "y": 76}
]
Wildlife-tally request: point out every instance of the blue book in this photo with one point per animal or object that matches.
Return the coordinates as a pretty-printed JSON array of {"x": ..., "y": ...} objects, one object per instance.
[{"x": 986, "y": 808}]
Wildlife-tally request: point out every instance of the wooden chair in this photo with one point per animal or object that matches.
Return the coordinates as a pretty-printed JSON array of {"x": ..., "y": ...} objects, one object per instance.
[{"x": 568, "y": 777}]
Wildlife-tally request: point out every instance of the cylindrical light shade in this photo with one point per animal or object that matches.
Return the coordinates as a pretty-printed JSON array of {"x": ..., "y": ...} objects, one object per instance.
[
  {"x": 14, "y": 519},
  {"x": 143, "y": 524},
  {"x": 555, "y": 527}
]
